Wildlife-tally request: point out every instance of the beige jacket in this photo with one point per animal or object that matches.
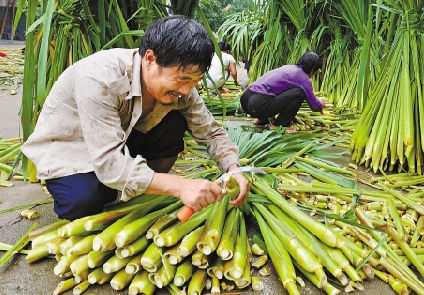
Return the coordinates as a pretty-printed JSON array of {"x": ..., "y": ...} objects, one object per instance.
[{"x": 89, "y": 114}]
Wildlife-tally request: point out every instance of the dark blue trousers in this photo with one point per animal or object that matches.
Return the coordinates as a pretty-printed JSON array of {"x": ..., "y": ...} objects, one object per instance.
[{"x": 82, "y": 194}]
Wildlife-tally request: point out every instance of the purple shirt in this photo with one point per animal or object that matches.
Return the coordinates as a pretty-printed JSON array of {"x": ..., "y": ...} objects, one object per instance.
[{"x": 278, "y": 80}]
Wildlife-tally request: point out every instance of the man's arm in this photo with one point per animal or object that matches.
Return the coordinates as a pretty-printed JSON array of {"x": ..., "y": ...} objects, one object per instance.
[
  {"x": 233, "y": 72},
  {"x": 205, "y": 130}
]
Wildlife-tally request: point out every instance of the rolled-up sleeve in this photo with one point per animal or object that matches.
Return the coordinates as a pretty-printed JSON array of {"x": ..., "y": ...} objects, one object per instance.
[
  {"x": 205, "y": 130},
  {"x": 105, "y": 139}
]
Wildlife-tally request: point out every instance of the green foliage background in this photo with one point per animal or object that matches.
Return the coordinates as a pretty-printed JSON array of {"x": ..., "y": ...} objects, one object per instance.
[{"x": 217, "y": 11}]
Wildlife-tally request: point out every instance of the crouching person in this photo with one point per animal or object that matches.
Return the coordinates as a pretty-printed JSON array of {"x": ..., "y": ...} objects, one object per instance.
[{"x": 114, "y": 122}]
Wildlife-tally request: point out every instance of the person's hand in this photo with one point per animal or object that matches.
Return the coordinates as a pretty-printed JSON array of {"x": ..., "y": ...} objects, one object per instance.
[
  {"x": 244, "y": 187},
  {"x": 199, "y": 193},
  {"x": 322, "y": 100},
  {"x": 244, "y": 190}
]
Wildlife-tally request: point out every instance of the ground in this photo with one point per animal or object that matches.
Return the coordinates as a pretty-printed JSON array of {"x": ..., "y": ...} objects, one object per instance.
[{"x": 19, "y": 277}]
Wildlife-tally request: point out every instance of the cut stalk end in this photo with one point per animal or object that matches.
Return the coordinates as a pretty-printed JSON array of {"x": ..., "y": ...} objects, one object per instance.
[
  {"x": 107, "y": 269},
  {"x": 125, "y": 253},
  {"x": 160, "y": 242},
  {"x": 131, "y": 269},
  {"x": 97, "y": 244},
  {"x": 206, "y": 250},
  {"x": 120, "y": 241},
  {"x": 226, "y": 255},
  {"x": 173, "y": 260},
  {"x": 236, "y": 274},
  {"x": 179, "y": 281},
  {"x": 184, "y": 252}
]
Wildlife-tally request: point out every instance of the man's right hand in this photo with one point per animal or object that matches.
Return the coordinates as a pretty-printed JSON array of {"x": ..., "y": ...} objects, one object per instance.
[
  {"x": 195, "y": 193},
  {"x": 199, "y": 193}
]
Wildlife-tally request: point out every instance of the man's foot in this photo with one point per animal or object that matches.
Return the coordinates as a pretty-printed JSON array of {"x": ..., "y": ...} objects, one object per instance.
[{"x": 258, "y": 121}]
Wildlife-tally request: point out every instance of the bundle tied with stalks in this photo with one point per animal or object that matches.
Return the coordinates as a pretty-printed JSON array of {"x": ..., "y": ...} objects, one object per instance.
[{"x": 116, "y": 254}]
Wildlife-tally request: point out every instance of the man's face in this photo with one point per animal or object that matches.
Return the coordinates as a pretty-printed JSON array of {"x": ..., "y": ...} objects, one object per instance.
[{"x": 167, "y": 84}]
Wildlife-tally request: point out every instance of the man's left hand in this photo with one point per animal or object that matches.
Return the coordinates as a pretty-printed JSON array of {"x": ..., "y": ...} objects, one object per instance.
[{"x": 244, "y": 187}]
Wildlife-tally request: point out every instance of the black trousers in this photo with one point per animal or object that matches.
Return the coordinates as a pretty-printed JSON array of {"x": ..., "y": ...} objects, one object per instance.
[
  {"x": 162, "y": 141},
  {"x": 82, "y": 194},
  {"x": 261, "y": 106}
]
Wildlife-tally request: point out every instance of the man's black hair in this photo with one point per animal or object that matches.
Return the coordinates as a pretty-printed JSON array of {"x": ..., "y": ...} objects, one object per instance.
[
  {"x": 178, "y": 41},
  {"x": 224, "y": 46},
  {"x": 310, "y": 62}
]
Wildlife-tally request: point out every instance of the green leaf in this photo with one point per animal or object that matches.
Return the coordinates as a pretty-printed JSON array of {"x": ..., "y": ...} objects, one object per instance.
[
  {"x": 19, "y": 245},
  {"x": 371, "y": 253},
  {"x": 44, "y": 53},
  {"x": 258, "y": 239},
  {"x": 257, "y": 198}
]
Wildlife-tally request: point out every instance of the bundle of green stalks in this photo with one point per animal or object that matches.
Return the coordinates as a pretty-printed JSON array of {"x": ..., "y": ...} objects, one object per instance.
[
  {"x": 269, "y": 149},
  {"x": 365, "y": 236},
  {"x": 166, "y": 253},
  {"x": 10, "y": 154},
  {"x": 351, "y": 54},
  {"x": 142, "y": 246},
  {"x": 340, "y": 122},
  {"x": 361, "y": 232},
  {"x": 337, "y": 81},
  {"x": 381, "y": 221},
  {"x": 390, "y": 132},
  {"x": 230, "y": 103}
]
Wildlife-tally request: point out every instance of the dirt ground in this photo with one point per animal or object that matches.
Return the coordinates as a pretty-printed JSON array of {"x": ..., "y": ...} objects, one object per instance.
[{"x": 19, "y": 277}]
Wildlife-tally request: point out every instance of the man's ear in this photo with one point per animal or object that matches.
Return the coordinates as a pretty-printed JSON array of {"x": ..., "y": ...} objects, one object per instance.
[{"x": 149, "y": 56}]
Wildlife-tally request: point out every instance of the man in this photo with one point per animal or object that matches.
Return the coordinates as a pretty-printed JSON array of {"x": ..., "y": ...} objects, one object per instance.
[
  {"x": 215, "y": 71},
  {"x": 115, "y": 121},
  {"x": 282, "y": 91}
]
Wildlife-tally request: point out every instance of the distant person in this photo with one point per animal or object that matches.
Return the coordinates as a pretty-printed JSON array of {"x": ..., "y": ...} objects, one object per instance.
[
  {"x": 282, "y": 91},
  {"x": 215, "y": 71},
  {"x": 247, "y": 66}
]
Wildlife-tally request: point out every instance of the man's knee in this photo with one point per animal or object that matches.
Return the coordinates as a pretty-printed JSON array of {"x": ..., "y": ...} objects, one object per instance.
[
  {"x": 164, "y": 140},
  {"x": 79, "y": 195}
]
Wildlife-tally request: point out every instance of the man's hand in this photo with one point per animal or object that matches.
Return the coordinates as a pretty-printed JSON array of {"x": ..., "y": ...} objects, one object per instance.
[
  {"x": 195, "y": 193},
  {"x": 244, "y": 187},
  {"x": 199, "y": 193}
]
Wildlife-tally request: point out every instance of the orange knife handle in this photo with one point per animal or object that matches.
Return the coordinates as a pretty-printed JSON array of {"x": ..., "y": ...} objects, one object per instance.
[{"x": 185, "y": 213}]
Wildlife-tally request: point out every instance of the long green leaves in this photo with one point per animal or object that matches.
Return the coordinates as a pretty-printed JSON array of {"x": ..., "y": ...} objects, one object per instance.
[
  {"x": 389, "y": 134},
  {"x": 43, "y": 52}
]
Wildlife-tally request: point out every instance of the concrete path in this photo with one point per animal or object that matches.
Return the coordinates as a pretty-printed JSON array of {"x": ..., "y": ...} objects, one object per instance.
[{"x": 18, "y": 277}]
